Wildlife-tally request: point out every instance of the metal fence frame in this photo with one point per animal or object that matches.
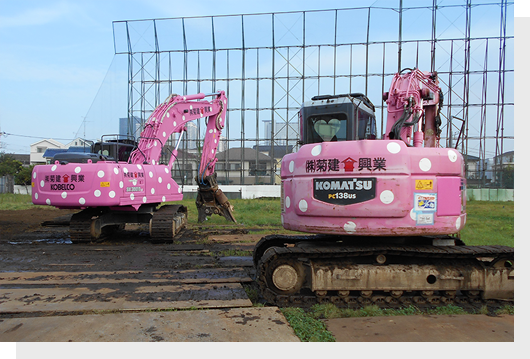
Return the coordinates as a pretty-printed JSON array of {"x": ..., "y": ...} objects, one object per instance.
[{"x": 302, "y": 63}]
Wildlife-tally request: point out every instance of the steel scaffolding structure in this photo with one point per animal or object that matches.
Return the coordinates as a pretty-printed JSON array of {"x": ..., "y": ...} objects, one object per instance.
[{"x": 270, "y": 63}]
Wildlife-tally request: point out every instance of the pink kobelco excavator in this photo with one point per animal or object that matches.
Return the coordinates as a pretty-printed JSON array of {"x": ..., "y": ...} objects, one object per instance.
[
  {"x": 386, "y": 212},
  {"x": 111, "y": 192}
]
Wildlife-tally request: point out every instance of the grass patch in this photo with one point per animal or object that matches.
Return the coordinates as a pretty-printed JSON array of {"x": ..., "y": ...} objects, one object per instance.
[
  {"x": 260, "y": 212},
  {"x": 330, "y": 311},
  {"x": 450, "y": 310},
  {"x": 233, "y": 253},
  {"x": 506, "y": 310},
  {"x": 12, "y": 202},
  {"x": 307, "y": 328},
  {"x": 253, "y": 294},
  {"x": 489, "y": 223}
]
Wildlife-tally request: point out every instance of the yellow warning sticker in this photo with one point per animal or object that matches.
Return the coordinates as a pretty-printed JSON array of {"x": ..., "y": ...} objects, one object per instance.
[
  {"x": 104, "y": 184},
  {"x": 424, "y": 184}
]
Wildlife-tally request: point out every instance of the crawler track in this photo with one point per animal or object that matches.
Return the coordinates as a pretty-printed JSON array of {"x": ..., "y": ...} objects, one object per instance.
[
  {"x": 94, "y": 224},
  {"x": 302, "y": 251},
  {"x": 167, "y": 222},
  {"x": 85, "y": 227}
]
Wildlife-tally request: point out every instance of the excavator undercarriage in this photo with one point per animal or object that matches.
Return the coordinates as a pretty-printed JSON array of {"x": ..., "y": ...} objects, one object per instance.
[
  {"x": 305, "y": 270},
  {"x": 95, "y": 224}
]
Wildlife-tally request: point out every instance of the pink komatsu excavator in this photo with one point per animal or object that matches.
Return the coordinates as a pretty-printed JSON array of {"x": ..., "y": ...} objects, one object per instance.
[
  {"x": 386, "y": 212},
  {"x": 111, "y": 192}
]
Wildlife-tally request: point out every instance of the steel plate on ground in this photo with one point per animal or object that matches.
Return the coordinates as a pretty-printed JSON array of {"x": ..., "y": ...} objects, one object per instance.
[
  {"x": 123, "y": 297},
  {"x": 217, "y": 325},
  {"x": 216, "y": 275}
]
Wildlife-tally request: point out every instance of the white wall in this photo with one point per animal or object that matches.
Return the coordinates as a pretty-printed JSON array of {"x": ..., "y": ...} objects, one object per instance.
[
  {"x": 246, "y": 191},
  {"x": 22, "y": 189},
  {"x": 490, "y": 194},
  {"x": 250, "y": 192}
]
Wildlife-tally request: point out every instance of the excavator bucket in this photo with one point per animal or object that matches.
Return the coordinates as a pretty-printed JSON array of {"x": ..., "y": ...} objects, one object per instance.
[{"x": 211, "y": 200}]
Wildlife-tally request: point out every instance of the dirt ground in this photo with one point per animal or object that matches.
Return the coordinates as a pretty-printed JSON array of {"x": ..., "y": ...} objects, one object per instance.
[
  {"x": 15, "y": 223},
  {"x": 22, "y": 232},
  {"x": 44, "y": 277}
]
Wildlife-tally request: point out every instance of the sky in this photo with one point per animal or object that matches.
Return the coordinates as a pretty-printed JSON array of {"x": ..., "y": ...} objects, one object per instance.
[{"x": 55, "y": 57}]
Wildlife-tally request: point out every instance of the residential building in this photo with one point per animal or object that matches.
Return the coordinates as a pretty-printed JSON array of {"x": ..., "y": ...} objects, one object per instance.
[
  {"x": 505, "y": 159},
  {"x": 79, "y": 142},
  {"x": 243, "y": 166},
  {"x": 37, "y": 150},
  {"x": 474, "y": 173},
  {"x": 279, "y": 152},
  {"x": 184, "y": 167},
  {"x": 503, "y": 170}
]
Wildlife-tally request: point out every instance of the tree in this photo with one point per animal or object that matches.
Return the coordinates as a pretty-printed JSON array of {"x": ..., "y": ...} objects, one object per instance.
[
  {"x": 11, "y": 167},
  {"x": 508, "y": 177},
  {"x": 23, "y": 177},
  {"x": 505, "y": 177},
  {"x": 8, "y": 165}
]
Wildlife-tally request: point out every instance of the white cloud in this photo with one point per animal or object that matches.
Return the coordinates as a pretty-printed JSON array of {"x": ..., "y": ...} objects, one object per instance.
[{"x": 37, "y": 16}]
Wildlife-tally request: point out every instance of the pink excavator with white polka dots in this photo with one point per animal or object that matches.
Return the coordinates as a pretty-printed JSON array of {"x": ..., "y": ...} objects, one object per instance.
[
  {"x": 387, "y": 212},
  {"x": 111, "y": 192}
]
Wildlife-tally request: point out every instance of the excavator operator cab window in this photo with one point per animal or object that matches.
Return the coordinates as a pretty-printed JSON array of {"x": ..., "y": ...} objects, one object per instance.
[
  {"x": 367, "y": 128},
  {"x": 327, "y": 128},
  {"x": 113, "y": 150}
]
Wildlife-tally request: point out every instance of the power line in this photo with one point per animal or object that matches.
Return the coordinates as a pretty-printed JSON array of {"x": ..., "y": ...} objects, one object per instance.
[{"x": 37, "y": 137}]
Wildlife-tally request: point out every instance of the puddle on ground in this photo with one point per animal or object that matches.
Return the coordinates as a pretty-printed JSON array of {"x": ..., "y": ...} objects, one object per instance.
[{"x": 43, "y": 241}]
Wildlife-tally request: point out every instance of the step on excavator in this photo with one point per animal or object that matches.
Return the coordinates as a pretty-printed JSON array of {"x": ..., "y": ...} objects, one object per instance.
[
  {"x": 111, "y": 191},
  {"x": 383, "y": 214}
]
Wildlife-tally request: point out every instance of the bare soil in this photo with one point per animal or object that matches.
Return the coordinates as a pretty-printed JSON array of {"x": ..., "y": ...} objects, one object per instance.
[
  {"x": 16, "y": 223},
  {"x": 38, "y": 239},
  {"x": 124, "y": 267},
  {"x": 127, "y": 271}
]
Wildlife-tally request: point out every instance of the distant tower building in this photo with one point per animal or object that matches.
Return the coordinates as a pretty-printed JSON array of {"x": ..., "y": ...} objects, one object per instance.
[
  {"x": 282, "y": 132},
  {"x": 191, "y": 135},
  {"x": 130, "y": 129},
  {"x": 223, "y": 144},
  {"x": 266, "y": 132}
]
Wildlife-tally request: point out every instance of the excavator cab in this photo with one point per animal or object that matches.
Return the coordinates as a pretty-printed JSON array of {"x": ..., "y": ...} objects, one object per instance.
[
  {"x": 333, "y": 118},
  {"x": 118, "y": 150},
  {"x": 115, "y": 149}
]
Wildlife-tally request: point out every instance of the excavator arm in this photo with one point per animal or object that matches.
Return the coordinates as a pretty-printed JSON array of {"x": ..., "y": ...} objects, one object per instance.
[
  {"x": 413, "y": 104},
  {"x": 171, "y": 117}
]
